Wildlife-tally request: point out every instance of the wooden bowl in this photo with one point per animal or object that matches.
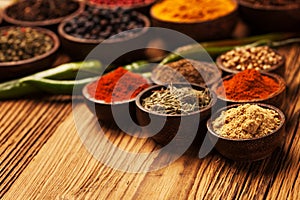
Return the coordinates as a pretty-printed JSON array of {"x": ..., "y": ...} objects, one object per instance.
[
  {"x": 278, "y": 68},
  {"x": 276, "y": 99},
  {"x": 262, "y": 18},
  {"x": 214, "y": 29},
  {"x": 50, "y": 23},
  {"x": 15, "y": 69},
  {"x": 248, "y": 149},
  {"x": 79, "y": 48},
  {"x": 182, "y": 127}
]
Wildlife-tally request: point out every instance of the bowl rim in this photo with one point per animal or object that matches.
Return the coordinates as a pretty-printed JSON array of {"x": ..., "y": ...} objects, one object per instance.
[
  {"x": 48, "y": 22},
  {"x": 277, "y": 78},
  {"x": 247, "y": 4},
  {"x": 126, "y": 7},
  {"x": 235, "y": 71},
  {"x": 268, "y": 106},
  {"x": 56, "y": 45},
  {"x": 209, "y": 106},
  {"x": 89, "y": 97},
  {"x": 71, "y": 38},
  {"x": 211, "y": 82},
  {"x": 233, "y": 12}
]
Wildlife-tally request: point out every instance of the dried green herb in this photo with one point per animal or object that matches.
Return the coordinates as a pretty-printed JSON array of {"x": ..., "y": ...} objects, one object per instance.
[{"x": 173, "y": 100}]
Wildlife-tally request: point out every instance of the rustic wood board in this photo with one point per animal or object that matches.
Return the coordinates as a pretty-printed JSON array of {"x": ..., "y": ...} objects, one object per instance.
[{"x": 42, "y": 157}]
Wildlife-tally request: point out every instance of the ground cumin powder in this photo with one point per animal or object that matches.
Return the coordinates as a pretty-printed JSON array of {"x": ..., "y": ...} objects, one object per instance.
[{"x": 246, "y": 121}]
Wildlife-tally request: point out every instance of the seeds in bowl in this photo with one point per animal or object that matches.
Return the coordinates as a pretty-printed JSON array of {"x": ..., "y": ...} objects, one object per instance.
[
  {"x": 39, "y": 10},
  {"x": 21, "y": 43},
  {"x": 259, "y": 58},
  {"x": 246, "y": 122},
  {"x": 100, "y": 24},
  {"x": 173, "y": 100},
  {"x": 249, "y": 84},
  {"x": 186, "y": 70}
]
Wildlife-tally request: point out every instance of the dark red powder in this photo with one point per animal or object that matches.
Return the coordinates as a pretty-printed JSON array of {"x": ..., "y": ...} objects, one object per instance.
[
  {"x": 118, "y": 85},
  {"x": 121, "y": 2}
]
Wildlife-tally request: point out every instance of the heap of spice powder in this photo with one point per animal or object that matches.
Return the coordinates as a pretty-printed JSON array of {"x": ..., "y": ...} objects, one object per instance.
[
  {"x": 246, "y": 121},
  {"x": 118, "y": 85},
  {"x": 249, "y": 84},
  {"x": 173, "y": 100},
  {"x": 186, "y": 70},
  {"x": 192, "y": 11},
  {"x": 114, "y": 3}
]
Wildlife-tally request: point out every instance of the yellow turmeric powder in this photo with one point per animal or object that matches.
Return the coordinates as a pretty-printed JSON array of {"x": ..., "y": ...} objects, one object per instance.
[{"x": 192, "y": 10}]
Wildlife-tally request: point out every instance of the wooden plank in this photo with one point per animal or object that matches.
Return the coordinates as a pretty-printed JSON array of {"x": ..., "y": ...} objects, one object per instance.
[{"x": 64, "y": 169}]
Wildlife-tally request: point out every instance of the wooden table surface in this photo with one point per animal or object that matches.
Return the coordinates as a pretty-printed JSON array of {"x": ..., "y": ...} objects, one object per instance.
[{"x": 42, "y": 157}]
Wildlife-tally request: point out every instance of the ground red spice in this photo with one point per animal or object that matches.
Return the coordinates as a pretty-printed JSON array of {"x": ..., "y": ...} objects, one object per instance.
[
  {"x": 248, "y": 85},
  {"x": 118, "y": 85},
  {"x": 121, "y": 2}
]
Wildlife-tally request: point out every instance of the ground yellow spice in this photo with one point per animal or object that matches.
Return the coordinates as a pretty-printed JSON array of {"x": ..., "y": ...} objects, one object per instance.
[
  {"x": 246, "y": 121},
  {"x": 192, "y": 10}
]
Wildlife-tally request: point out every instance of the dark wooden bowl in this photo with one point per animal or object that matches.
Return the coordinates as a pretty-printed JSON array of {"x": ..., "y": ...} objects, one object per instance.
[
  {"x": 276, "y": 99},
  {"x": 15, "y": 69},
  {"x": 248, "y": 149},
  {"x": 270, "y": 18},
  {"x": 79, "y": 48},
  {"x": 181, "y": 128},
  {"x": 218, "y": 28},
  {"x": 278, "y": 69},
  {"x": 51, "y": 23}
]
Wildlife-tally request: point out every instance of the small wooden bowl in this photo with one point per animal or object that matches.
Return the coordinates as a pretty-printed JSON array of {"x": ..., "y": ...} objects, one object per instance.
[
  {"x": 278, "y": 69},
  {"x": 182, "y": 128},
  {"x": 276, "y": 99},
  {"x": 248, "y": 149},
  {"x": 262, "y": 18},
  {"x": 50, "y": 23},
  {"x": 197, "y": 64},
  {"x": 79, "y": 48},
  {"x": 214, "y": 29},
  {"x": 15, "y": 69}
]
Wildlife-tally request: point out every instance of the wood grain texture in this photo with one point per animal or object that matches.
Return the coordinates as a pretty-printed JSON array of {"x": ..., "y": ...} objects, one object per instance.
[{"x": 43, "y": 157}]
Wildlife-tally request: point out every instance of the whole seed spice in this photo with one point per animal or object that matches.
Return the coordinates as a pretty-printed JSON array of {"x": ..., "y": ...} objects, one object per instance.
[
  {"x": 246, "y": 122},
  {"x": 173, "y": 100},
  {"x": 259, "y": 58},
  {"x": 39, "y": 10},
  {"x": 118, "y": 85},
  {"x": 186, "y": 70},
  {"x": 100, "y": 24},
  {"x": 21, "y": 43},
  {"x": 274, "y": 2},
  {"x": 191, "y": 11},
  {"x": 248, "y": 85}
]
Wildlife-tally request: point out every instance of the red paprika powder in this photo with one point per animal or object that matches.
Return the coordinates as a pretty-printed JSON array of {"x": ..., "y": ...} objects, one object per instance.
[
  {"x": 118, "y": 85},
  {"x": 248, "y": 85}
]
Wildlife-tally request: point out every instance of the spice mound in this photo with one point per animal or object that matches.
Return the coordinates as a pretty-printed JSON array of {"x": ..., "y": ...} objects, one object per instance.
[
  {"x": 186, "y": 71},
  {"x": 249, "y": 84},
  {"x": 39, "y": 10},
  {"x": 259, "y": 58},
  {"x": 192, "y": 11},
  {"x": 173, "y": 100},
  {"x": 118, "y": 85},
  {"x": 100, "y": 24},
  {"x": 21, "y": 43},
  {"x": 246, "y": 122},
  {"x": 274, "y": 2},
  {"x": 114, "y": 3}
]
